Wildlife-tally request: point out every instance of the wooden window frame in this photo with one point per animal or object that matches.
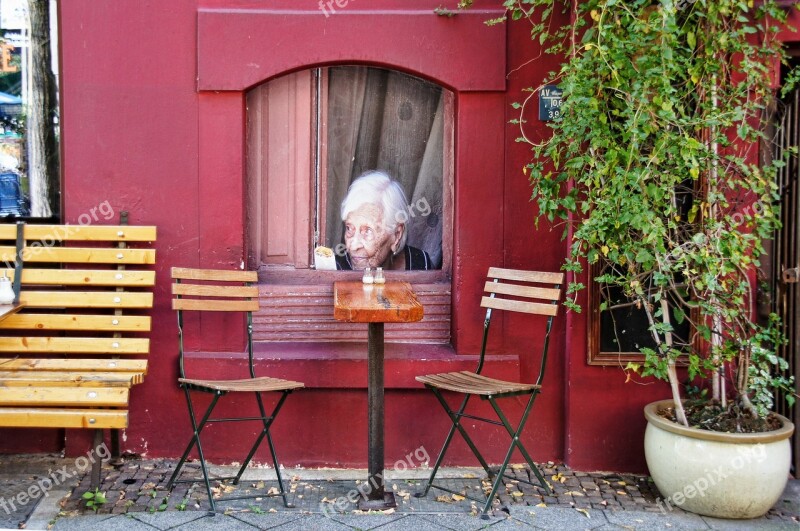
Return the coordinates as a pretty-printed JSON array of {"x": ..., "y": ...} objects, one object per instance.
[
  {"x": 594, "y": 354},
  {"x": 294, "y": 295}
]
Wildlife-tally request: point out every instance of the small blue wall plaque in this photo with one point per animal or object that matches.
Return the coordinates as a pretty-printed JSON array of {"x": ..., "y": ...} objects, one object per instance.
[{"x": 549, "y": 103}]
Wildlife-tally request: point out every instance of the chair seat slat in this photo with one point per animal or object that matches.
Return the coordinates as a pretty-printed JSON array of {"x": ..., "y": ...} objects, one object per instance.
[
  {"x": 474, "y": 384},
  {"x": 261, "y": 384}
]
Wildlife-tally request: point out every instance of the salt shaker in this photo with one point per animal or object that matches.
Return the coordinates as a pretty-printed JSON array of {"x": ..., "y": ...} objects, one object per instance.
[
  {"x": 6, "y": 291},
  {"x": 379, "y": 278},
  {"x": 367, "y": 278}
]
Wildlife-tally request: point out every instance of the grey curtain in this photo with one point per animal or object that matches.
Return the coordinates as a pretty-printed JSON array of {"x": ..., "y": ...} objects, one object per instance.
[{"x": 385, "y": 120}]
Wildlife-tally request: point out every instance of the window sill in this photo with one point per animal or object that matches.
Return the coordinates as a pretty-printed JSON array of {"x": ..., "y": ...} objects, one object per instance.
[{"x": 331, "y": 365}]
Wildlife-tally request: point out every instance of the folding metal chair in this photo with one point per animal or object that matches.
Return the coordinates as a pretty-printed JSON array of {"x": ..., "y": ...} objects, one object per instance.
[
  {"x": 206, "y": 290},
  {"x": 508, "y": 290}
]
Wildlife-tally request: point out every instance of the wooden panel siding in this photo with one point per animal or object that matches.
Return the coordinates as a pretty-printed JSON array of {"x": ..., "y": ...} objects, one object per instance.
[{"x": 305, "y": 313}]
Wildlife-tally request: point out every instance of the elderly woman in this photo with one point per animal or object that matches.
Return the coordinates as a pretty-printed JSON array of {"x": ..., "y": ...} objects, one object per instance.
[{"x": 375, "y": 213}]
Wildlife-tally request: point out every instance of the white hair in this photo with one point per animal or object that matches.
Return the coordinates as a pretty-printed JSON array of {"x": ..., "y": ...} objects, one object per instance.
[{"x": 377, "y": 188}]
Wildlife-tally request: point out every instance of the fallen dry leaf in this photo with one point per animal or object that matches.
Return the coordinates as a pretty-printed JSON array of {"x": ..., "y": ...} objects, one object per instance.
[
  {"x": 574, "y": 493},
  {"x": 517, "y": 494},
  {"x": 458, "y": 497},
  {"x": 584, "y": 512},
  {"x": 543, "y": 504}
]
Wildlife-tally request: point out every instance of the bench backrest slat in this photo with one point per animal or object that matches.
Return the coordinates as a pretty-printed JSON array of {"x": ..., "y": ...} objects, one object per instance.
[
  {"x": 64, "y": 396},
  {"x": 85, "y": 277},
  {"x": 72, "y": 364},
  {"x": 79, "y": 255},
  {"x": 60, "y": 321},
  {"x": 86, "y": 299},
  {"x": 117, "y": 346},
  {"x": 60, "y": 233}
]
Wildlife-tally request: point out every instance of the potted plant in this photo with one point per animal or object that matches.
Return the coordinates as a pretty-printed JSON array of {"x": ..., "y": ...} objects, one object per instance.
[{"x": 653, "y": 170}]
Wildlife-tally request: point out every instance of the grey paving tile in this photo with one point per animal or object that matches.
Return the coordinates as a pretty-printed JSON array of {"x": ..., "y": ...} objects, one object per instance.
[
  {"x": 89, "y": 522},
  {"x": 93, "y": 522},
  {"x": 167, "y": 520},
  {"x": 366, "y": 521},
  {"x": 268, "y": 520},
  {"x": 558, "y": 518},
  {"x": 399, "y": 524},
  {"x": 761, "y": 523},
  {"x": 678, "y": 520},
  {"x": 315, "y": 522},
  {"x": 219, "y": 522},
  {"x": 458, "y": 522}
]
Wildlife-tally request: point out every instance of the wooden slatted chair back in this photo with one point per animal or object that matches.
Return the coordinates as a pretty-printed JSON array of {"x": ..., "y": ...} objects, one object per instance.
[
  {"x": 214, "y": 290},
  {"x": 80, "y": 340},
  {"x": 530, "y": 292},
  {"x": 523, "y": 291}
]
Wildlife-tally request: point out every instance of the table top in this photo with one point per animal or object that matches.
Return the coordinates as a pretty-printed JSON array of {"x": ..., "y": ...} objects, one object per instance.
[
  {"x": 9, "y": 309},
  {"x": 392, "y": 302}
]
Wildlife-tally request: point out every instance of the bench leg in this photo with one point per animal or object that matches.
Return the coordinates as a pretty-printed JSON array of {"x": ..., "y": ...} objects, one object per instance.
[
  {"x": 98, "y": 440},
  {"x": 116, "y": 458}
]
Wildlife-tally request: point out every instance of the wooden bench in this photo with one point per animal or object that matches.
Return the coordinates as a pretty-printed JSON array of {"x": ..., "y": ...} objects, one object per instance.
[{"x": 77, "y": 340}]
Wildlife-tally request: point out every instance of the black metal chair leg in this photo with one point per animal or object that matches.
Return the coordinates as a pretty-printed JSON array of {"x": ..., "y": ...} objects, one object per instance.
[
  {"x": 198, "y": 428},
  {"x": 440, "y": 457},
  {"x": 515, "y": 438},
  {"x": 189, "y": 447},
  {"x": 267, "y": 421},
  {"x": 278, "y": 472},
  {"x": 514, "y": 443},
  {"x": 456, "y": 419}
]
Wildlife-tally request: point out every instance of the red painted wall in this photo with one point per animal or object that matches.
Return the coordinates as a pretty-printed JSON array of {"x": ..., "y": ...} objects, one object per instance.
[{"x": 153, "y": 123}]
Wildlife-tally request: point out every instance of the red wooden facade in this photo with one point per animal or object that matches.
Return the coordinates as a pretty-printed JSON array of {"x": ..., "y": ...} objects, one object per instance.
[{"x": 153, "y": 121}]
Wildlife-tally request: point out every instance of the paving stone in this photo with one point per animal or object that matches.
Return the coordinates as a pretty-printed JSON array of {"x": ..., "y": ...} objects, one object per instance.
[
  {"x": 563, "y": 519},
  {"x": 645, "y": 520}
]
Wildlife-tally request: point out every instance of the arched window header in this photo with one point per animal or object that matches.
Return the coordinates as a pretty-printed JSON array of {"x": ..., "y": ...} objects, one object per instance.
[{"x": 238, "y": 49}]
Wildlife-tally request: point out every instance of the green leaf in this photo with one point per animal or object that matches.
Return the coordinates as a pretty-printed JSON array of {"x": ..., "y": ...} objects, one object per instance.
[{"x": 691, "y": 40}]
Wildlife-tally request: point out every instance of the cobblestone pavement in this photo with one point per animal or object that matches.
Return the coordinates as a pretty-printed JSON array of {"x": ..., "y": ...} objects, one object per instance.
[{"x": 138, "y": 486}]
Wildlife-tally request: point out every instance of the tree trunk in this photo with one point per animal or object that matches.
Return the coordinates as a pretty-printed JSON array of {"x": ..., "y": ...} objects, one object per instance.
[{"x": 43, "y": 160}]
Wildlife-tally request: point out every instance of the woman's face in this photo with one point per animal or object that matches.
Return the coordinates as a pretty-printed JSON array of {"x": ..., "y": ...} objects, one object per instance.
[{"x": 367, "y": 239}]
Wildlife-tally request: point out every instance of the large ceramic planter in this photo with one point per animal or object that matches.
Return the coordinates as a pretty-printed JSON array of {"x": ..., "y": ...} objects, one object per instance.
[{"x": 724, "y": 475}]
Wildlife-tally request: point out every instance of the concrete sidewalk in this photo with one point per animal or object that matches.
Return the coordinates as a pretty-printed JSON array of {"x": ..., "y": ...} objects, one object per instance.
[{"x": 136, "y": 498}]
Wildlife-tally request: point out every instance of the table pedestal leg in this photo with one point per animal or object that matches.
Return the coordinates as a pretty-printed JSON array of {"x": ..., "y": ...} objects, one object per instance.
[{"x": 377, "y": 498}]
